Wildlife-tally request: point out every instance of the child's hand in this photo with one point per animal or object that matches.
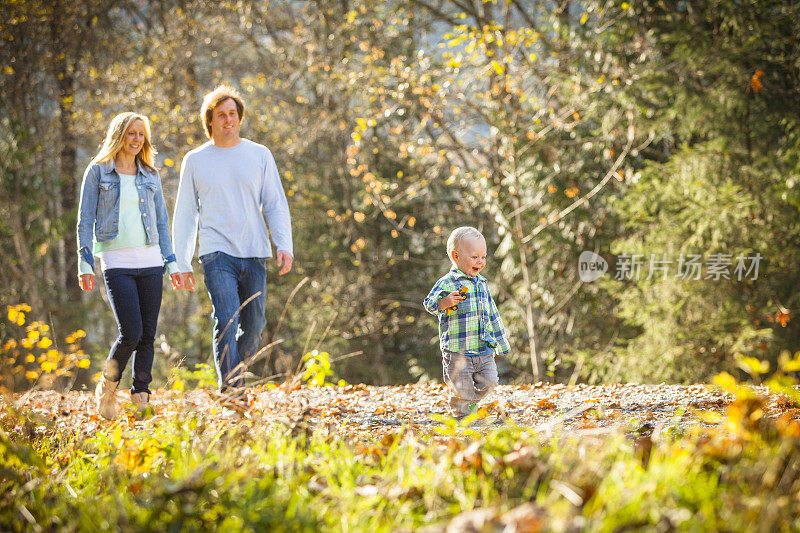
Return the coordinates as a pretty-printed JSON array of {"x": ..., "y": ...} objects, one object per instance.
[{"x": 452, "y": 299}]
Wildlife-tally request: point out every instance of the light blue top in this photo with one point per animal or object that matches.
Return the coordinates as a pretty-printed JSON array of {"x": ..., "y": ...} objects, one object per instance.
[{"x": 228, "y": 192}]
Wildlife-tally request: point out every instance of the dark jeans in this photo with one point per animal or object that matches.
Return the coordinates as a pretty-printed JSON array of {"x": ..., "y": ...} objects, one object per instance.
[
  {"x": 230, "y": 282},
  {"x": 135, "y": 296}
]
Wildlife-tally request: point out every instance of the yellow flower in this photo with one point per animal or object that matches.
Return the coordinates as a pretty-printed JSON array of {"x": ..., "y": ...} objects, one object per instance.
[
  {"x": 53, "y": 356},
  {"x": 33, "y": 335},
  {"x": 48, "y": 366},
  {"x": 83, "y": 363},
  {"x": 31, "y": 375},
  {"x": 21, "y": 319},
  {"x": 79, "y": 334},
  {"x": 12, "y": 314},
  {"x": 30, "y": 358},
  {"x": 44, "y": 343},
  {"x": 70, "y": 339},
  {"x": 26, "y": 343}
]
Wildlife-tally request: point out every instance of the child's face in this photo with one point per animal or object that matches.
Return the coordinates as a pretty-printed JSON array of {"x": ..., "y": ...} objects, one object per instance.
[{"x": 470, "y": 257}]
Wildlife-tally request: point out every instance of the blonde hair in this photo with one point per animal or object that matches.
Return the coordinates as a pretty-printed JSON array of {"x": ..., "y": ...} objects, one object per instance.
[
  {"x": 460, "y": 235},
  {"x": 216, "y": 97},
  {"x": 115, "y": 138}
]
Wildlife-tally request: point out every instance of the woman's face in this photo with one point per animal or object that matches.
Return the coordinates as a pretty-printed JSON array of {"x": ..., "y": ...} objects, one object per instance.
[{"x": 134, "y": 139}]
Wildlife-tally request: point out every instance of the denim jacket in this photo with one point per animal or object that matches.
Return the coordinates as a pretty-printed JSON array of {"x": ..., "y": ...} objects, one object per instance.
[{"x": 99, "y": 209}]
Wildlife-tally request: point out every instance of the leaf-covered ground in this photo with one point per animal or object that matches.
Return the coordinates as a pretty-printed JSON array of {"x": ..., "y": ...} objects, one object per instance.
[{"x": 369, "y": 410}]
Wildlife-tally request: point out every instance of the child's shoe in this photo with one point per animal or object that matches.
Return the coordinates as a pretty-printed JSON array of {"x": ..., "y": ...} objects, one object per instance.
[{"x": 105, "y": 393}]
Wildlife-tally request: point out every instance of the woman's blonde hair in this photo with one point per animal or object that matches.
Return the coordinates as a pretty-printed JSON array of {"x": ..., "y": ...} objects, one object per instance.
[
  {"x": 216, "y": 97},
  {"x": 115, "y": 138}
]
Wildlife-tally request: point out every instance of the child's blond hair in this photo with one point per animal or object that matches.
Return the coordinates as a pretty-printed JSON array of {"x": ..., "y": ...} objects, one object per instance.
[{"x": 459, "y": 235}]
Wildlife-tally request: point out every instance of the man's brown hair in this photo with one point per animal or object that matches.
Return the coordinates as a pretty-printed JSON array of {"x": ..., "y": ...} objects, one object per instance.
[{"x": 216, "y": 97}]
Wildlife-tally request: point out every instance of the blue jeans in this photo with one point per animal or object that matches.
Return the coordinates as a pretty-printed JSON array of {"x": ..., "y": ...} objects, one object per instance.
[
  {"x": 135, "y": 297},
  {"x": 230, "y": 282}
]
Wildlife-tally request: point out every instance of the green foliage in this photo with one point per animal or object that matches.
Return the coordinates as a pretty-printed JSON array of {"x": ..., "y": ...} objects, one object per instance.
[
  {"x": 317, "y": 369},
  {"x": 393, "y": 122},
  {"x": 202, "y": 377}
]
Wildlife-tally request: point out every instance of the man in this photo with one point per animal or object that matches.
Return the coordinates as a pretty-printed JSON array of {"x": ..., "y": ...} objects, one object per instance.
[{"x": 229, "y": 185}]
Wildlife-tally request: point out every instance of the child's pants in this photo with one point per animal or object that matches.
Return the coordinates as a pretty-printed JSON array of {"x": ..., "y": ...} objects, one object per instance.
[{"x": 470, "y": 378}]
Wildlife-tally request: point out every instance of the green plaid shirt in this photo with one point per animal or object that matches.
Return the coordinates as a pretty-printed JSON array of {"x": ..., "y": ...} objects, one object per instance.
[{"x": 476, "y": 326}]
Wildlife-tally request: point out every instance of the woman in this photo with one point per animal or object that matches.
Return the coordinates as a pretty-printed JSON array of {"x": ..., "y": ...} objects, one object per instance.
[{"x": 123, "y": 220}]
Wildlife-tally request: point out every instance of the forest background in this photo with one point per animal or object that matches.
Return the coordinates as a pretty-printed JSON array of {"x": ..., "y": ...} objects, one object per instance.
[{"x": 664, "y": 129}]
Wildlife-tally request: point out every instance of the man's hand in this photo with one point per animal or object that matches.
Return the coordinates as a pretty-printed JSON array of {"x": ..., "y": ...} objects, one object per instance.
[
  {"x": 454, "y": 298},
  {"x": 284, "y": 261},
  {"x": 86, "y": 281},
  {"x": 186, "y": 281}
]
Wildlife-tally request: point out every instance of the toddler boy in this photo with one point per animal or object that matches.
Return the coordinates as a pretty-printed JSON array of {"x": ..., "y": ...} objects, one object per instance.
[{"x": 472, "y": 334}]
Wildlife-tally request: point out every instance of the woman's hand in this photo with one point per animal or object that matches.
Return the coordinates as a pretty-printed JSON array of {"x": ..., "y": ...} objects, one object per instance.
[
  {"x": 187, "y": 281},
  {"x": 176, "y": 280},
  {"x": 86, "y": 281}
]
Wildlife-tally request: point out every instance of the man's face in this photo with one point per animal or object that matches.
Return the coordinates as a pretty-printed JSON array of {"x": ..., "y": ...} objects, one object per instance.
[
  {"x": 225, "y": 121},
  {"x": 470, "y": 257}
]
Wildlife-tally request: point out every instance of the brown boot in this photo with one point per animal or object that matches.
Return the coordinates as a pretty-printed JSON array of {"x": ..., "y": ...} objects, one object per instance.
[
  {"x": 140, "y": 399},
  {"x": 141, "y": 402},
  {"x": 106, "y": 398}
]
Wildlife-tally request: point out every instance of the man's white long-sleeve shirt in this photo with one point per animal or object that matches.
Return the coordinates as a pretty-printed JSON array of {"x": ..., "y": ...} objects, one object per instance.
[{"x": 228, "y": 192}]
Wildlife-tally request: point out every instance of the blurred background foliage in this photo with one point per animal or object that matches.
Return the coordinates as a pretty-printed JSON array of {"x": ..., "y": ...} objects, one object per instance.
[{"x": 554, "y": 127}]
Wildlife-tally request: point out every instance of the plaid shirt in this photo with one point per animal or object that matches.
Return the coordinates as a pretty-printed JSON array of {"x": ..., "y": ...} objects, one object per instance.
[{"x": 475, "y": 324}]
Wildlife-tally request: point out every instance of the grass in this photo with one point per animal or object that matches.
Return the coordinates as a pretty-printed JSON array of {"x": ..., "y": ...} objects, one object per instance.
[{"x": 194, "y": 472}]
